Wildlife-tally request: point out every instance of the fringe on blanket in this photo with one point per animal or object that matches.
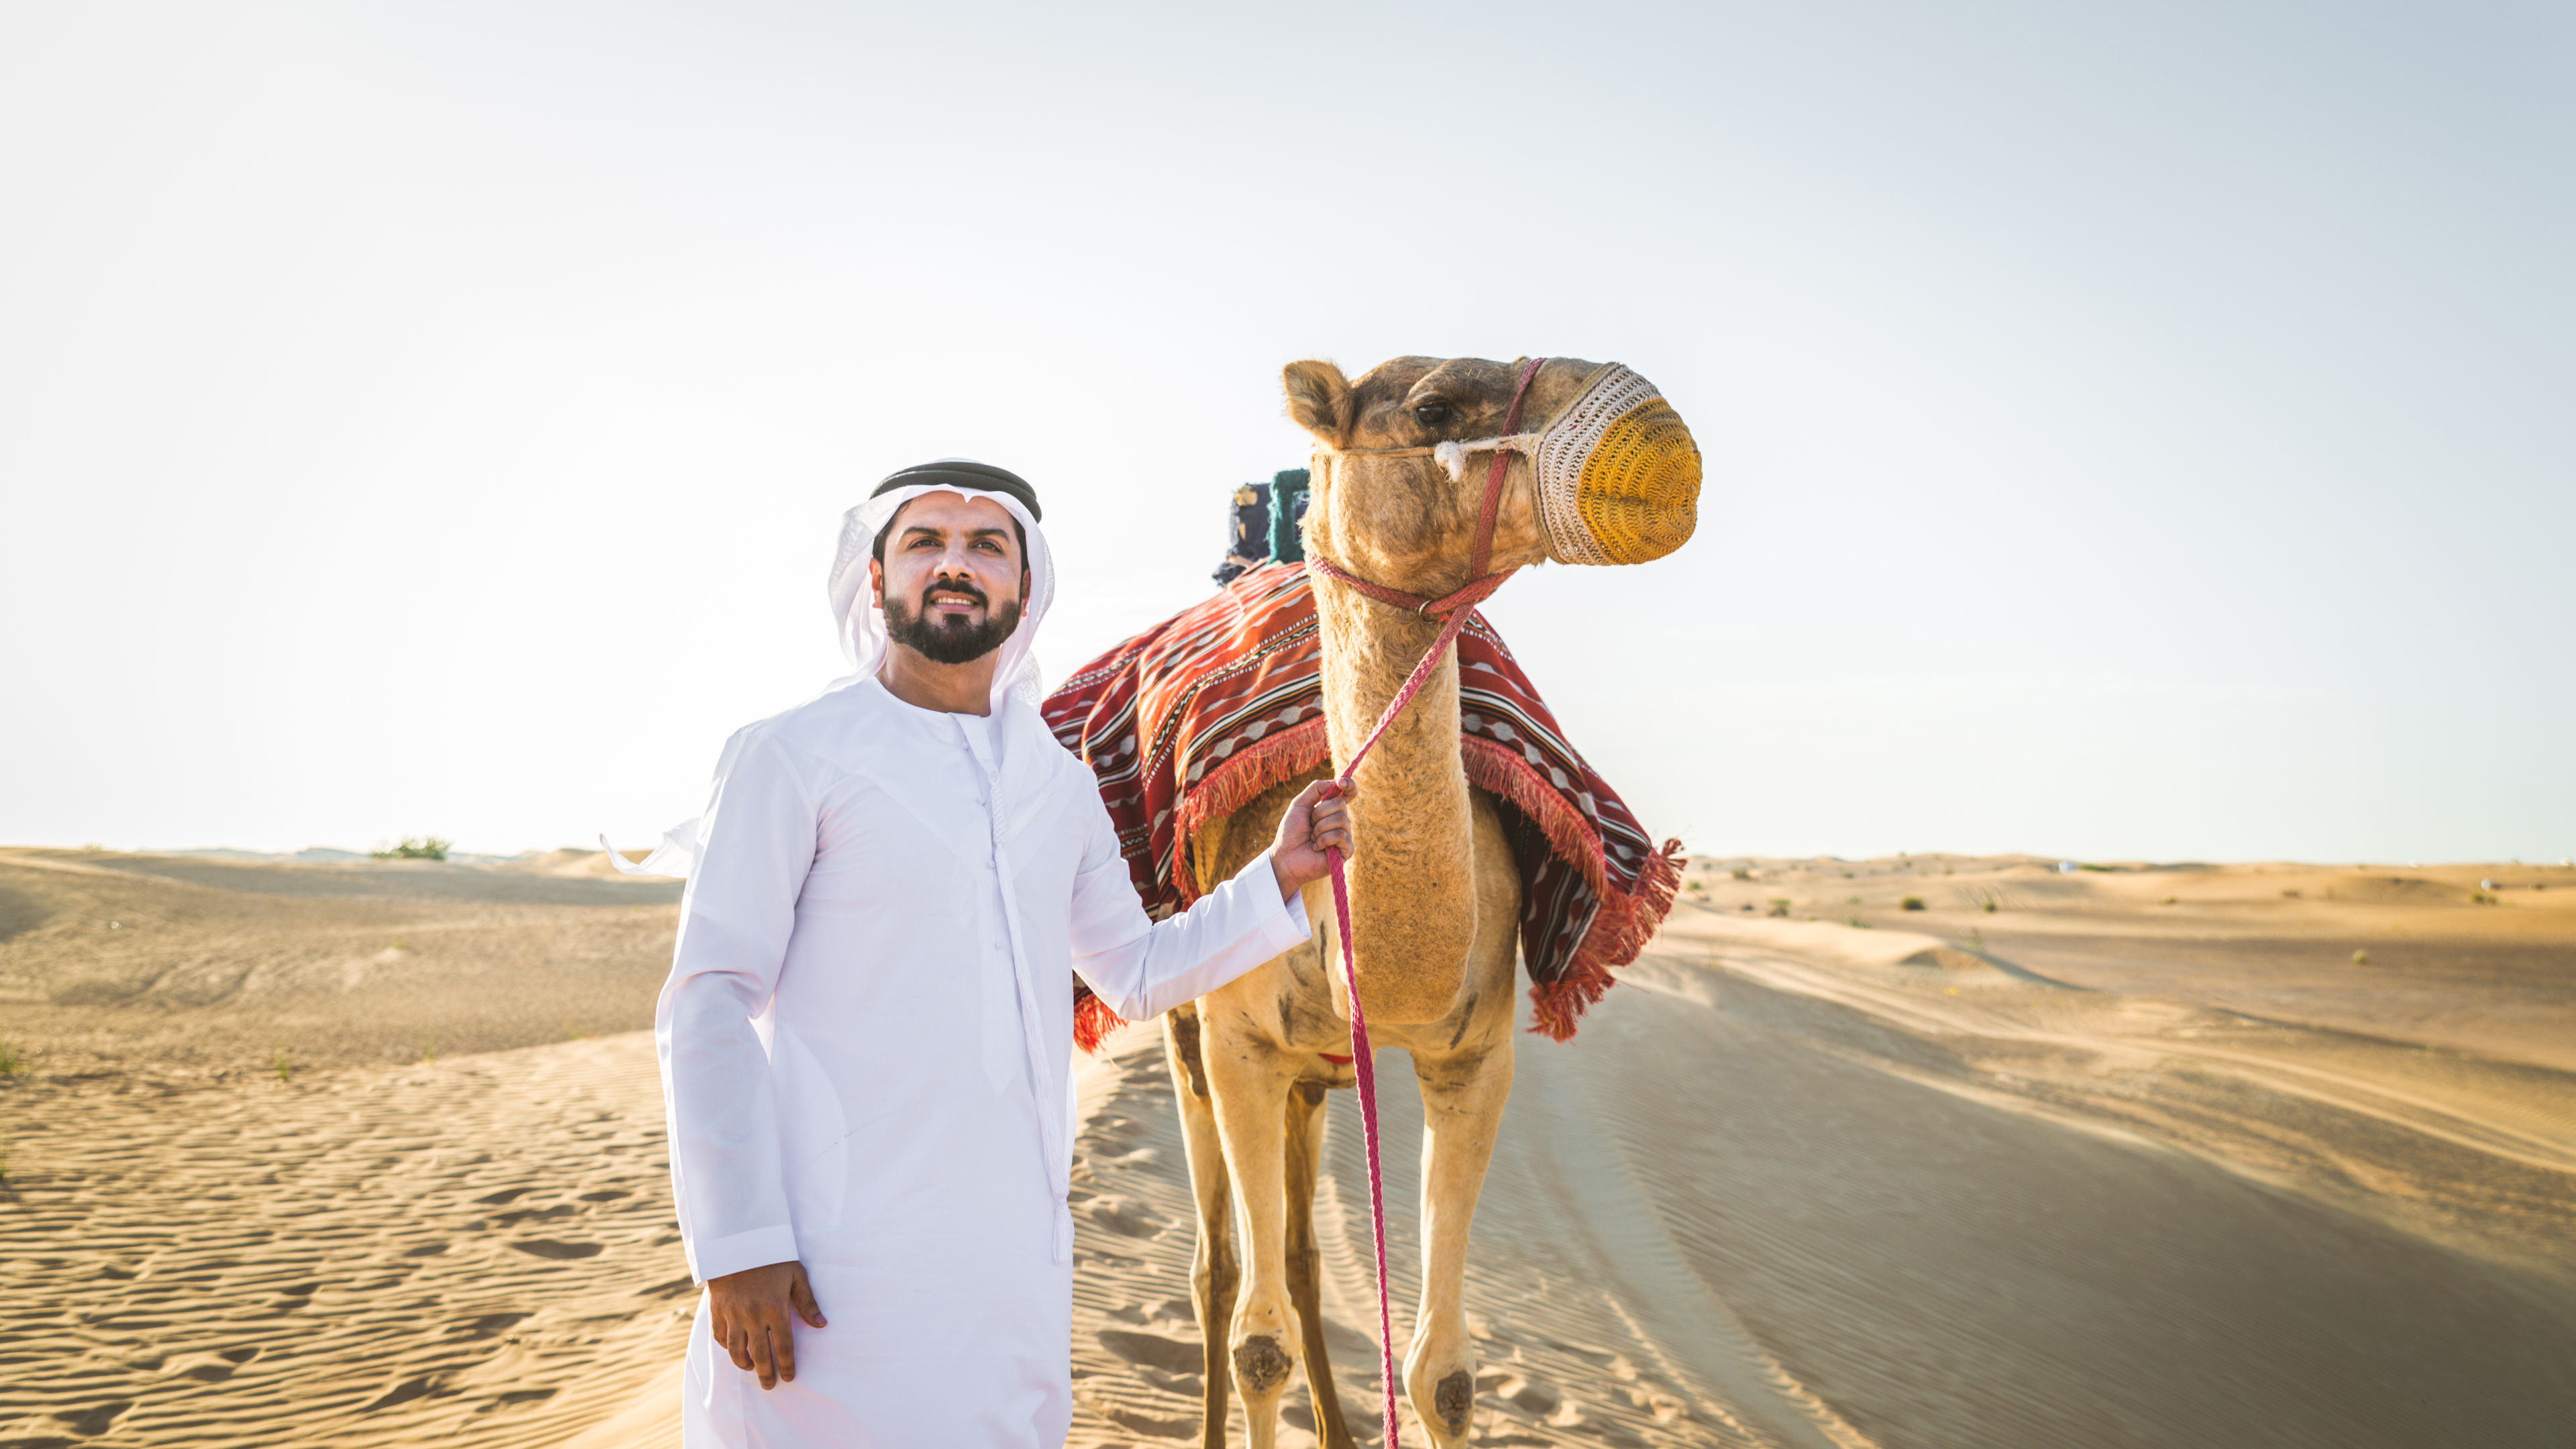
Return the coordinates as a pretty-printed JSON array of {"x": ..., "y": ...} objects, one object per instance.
[
  {"x": 1625, "y": 923},
  {"x": 1093, "y": 1021},
  {"x": 1238, "y": 782}
]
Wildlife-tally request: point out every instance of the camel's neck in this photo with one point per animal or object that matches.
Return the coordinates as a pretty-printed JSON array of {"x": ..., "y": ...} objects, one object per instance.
[{"x": 1413, "y": 899}]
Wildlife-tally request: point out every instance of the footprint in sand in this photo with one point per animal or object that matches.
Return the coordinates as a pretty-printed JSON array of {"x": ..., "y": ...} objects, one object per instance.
[
  {"x": 1533, "y": 1398},
  {"x": 204, "y": 1368},
  {"x": 525, "y": 1396},
  {"x": 549, "y": 1248},
  {"x": 91, "y": 1422},
  {"x": 1111, "y": 1129},
  {"x": 1124, "y": 1218},
  {"x": 1150, "y": 1425},
  {"x": 1188, "y": 1386},
  {"x": 1152, "y": 1349},
  {"x": 404, "y": 1393}
]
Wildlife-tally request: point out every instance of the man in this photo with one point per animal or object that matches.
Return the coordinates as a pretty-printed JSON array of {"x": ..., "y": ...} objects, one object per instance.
[{"x": 866, "y": 1037}]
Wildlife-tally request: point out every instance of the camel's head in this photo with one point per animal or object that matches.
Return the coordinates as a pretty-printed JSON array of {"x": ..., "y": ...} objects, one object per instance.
[{"x": 1600, "y": 470}]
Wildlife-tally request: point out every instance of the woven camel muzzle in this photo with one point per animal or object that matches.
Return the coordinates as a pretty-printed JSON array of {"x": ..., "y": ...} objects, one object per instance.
[{"x": 1616, "y": 474}]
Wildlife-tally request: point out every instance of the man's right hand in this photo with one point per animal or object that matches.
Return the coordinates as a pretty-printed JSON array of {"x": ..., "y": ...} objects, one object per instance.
[{"x": 748, "y": 1313}]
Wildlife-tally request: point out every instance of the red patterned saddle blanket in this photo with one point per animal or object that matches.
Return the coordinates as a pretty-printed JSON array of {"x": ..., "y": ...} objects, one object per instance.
[{"x": 1191, "y": 720}]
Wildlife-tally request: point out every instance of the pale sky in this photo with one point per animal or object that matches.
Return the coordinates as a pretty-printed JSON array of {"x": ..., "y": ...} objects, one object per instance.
[{"x": 2131, "y": 432}]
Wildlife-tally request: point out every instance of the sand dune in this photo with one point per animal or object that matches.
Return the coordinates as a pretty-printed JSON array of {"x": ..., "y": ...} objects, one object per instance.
[
  {"x": 179, "y": 968},
  {"x": 2088, "y": 1169}
]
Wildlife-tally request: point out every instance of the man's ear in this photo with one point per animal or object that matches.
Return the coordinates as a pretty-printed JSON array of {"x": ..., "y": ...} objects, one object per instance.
[
  {"x": 1319, "y": 398},
  {"x": 876, "y": 582}
]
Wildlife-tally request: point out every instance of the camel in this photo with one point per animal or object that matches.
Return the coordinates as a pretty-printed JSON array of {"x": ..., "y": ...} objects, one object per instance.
[{"x": 1434, "y": 899}]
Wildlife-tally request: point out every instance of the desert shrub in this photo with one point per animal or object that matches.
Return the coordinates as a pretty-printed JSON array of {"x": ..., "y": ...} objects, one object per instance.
[
  {"x": 424, "y": 847},
  {"x": 1742, "y": 872},
  {"x": 1988, "y": 908},
  {"x": 2169, "y": 900},
  {"x": 1780, "y": 906},
  {"x": 12, "y": 1062},
  {"x": 2361, "y": 958},
  {"x": 1910, "y": 903},
  {"x": 279, "y": 1063},
  {"x": 2289, "y": 895}
]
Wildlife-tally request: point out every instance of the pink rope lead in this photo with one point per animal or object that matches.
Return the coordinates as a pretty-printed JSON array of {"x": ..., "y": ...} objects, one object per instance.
[
  {"x": 1361, "y": 1061},
  {"x": 1367, "y": 1070},
  {"x": 1458, "y": 608}
]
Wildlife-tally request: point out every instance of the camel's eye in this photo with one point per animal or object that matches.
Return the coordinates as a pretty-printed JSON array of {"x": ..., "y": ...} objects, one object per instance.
[{"x": 1434, "y": 414}]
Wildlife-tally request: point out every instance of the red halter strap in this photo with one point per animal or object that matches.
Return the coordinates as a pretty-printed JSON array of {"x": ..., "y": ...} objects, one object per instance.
[{"x": 1454, "y": 610}]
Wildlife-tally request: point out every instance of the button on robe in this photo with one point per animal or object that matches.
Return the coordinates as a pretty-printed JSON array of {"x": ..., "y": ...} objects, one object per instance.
[{"x": 865, "y": 1045}]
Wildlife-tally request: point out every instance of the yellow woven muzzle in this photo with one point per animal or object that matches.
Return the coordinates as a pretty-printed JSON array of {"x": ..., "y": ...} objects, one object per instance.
[{"x": 1618, "y": 474}]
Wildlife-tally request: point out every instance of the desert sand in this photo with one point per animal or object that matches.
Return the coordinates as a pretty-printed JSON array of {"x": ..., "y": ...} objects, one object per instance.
[{"x": 2141, "y": 1156}]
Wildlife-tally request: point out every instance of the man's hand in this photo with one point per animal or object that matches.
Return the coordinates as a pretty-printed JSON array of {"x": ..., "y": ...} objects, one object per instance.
[
  {"x": 747, "y": 1312},
  {"x": 1316, "y": 821}
]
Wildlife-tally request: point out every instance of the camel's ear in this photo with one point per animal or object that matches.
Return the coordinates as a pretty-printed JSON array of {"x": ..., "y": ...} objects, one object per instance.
[{"x": 1319, "y": 398}]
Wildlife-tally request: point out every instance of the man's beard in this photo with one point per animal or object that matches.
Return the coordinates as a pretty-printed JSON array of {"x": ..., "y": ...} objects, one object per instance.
[{"x": 953, "y": 639}]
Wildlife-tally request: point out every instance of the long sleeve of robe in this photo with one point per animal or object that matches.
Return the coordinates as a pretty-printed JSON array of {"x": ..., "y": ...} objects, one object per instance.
[{"x": 865, "y": 1045}]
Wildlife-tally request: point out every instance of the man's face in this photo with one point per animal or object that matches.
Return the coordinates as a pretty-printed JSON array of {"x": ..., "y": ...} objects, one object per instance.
[{"x": 952, "y": 576}]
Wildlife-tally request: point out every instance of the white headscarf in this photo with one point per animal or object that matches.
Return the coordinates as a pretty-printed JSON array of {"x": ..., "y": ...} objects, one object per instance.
[
  {"x": 862, "y": 623},
  {"x": 862, "y": 626}
]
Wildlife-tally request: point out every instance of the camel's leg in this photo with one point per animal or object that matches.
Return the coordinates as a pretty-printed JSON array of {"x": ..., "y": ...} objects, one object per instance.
[
  {"x": 1462, "y": 1109},
  {"x": 1305, "y": 1259},
  {"x": 1213, "y": 1274},
  {"x": 1251, "y": 1089}
]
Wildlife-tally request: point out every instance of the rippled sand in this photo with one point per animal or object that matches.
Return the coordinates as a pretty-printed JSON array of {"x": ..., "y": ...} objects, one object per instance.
[{"x": 2089, "y": 1169}]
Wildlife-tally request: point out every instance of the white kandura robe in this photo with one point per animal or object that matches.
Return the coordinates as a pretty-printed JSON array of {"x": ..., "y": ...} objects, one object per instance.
[{"x": 866, "y": 1049}]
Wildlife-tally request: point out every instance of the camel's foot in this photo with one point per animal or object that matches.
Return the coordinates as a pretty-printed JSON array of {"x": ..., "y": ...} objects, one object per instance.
[
  {"x": 1265, "y": 1358},
  {"x": 1441, "y": 1382}
]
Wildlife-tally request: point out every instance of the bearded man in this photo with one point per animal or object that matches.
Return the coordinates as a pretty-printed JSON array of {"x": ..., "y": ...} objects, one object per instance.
[{"x": 866, "y": 1038}]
